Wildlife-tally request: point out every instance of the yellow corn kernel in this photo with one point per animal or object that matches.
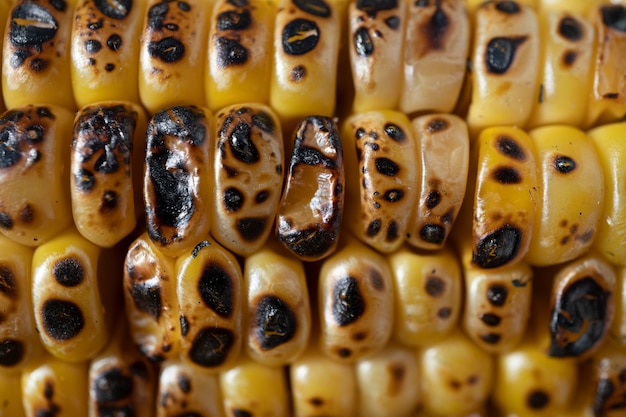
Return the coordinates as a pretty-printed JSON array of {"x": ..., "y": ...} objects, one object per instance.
[
  {"x": 19, "y": 341},
  {"x": 150, "y": 300},
  {"x": 456, "y": 376},
  {"x": 583, "y": 8},
  {"x": 11, "y": 395},
  {"x": 70, "y": 310},
  {"x": 435, "y": 55},
  {"x": 428, "y": 291},
  {"x": 444, "y": 153},
  {"x": 355, "y": 302},
  {"x": 566, "y": 221},
  {"x": 505, "y": 65},
  {"x": 504, "y": 200},
  {"x": 104, "y": 51},
  {"x": 311, "y": 208},
  {"x": 321, "y": 386},
  {"x": 176, "y": 178},
  {"x": 36, "y": 54},
  {"x": 187, "y": 391},
  {"x": 34, "y": 172},
  {"x": 564, "y": 82},
  {"x": 247, "y": 166},
  {"x": 172, "y": 53},
  {"x": 240, "y": 38},
  {"x": 55, "y": 387},
  {"x": 210, "y": 301},
  {"x": 121, "y": 380},
  {"x": 251, "y": 388},
  {"x": 388, "y": 383},
  {"x": 278, "y": 317},
  {"x": 611, "y": 227},
  {"x": 376, "y": 38},
  {"x": 382, "y": 177},
  {"x": 107, "y": 149},
  {"x": 607, "y": 101},
  {"x": 305, "y": 56}
]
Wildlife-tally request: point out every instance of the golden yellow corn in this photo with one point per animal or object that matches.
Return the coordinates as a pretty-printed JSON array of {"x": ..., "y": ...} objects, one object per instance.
[{"x": 11, "y": 395}]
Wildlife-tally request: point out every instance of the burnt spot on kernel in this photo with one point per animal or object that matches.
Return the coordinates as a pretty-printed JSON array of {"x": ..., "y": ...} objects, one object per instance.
[
  {"x": 38, "y": 64},
  {"x": 435, "y": 29},
  {"x": 251, "y": 228},
  {"x": 211, "y": 346},
  {"x": 570, "y": 29},
  {"x": 115, "y": 9},
  {"x": 344, "y": 352},
  {"x": 393, "y": 196},
  {"x": 8, "y": 285},
  {"x": 507, "y": 175},
  {"x": 92, "y": 46},
  {"x": 114, "y": 42},
  {"x": 48, "y": 390},
  {"x": 376, "y": 280},
  {"x": 490, "y": 319},
  {"x": 498, "y": 248},
  {"x": 392, "y": 22},
  {"x": 603, "y": 392},
  {"x": 62, "y": 319},
  {"x": 237, "y": 412},
  {"x": 216, "y": 289},
  {"x": 109, "y": 201},
  {"x": 147, "y": 298},
  {"x": 435, "y": 286},
  {"x": 261, "y": 197},
  {"x": 564, "y": 164},
  {"x": 392, "y": 231},
  {"x": 497, "y": 295},
  {"x": 315, "y": 7},
  {"x": 316, "y": 401},
  {"x": 68, "y": 272},
  {"x": 241, "y": 144},
  {"x": 501, "y": 52},
  {"x": 348, "y": 304},
  {"x": 112, "y": 385},
  {"x": 5, "y": 221},
  {"x": 508, "y": 7},
  {"x": 394, "y": 132},
  {"x": 490, "y": 338},
  {"x": 184, "y": 383},
  {"x": 11, "y": 352},
  {"x": 433, "y": 233},
  {"x": 233, "y": 20},
  {"x": 184, "y": 325},
  {"x": 578, "y": 318},
  {"x": 373, "y": 228},
  {"x": 156, "y": 15},
  {"x": 614, "y": 16},
  {"x": 229, "y": 52},
  {"x": 397, "y": 372},
  {"x": 109, "y": 67},
  {"x": 233, "y": 199},
  {"x": 437, "y": 125},
  {"x": 432, "y": 199},
  {"x": 297, "y": 73},
  {"x": 537, "y": 399},
  {"x": 300, "y": 36},
  {"x": 10, "y": 147},
  {"x": 168, "y": 49},
  {"x": 509, "y": 147},
  {"x": 363, "y": 43},
  {"x": 31, "y": 25},
  {"x": 275, "y": 322},
  {"x": 311, "y": 242},
  {"x": 386, "y": 167},
  {"x": 444, "y": 312},
  {"x": 85, "y": 180},
  {"x": 569, "y": 58},
  {"x": 263, "y": 121}
]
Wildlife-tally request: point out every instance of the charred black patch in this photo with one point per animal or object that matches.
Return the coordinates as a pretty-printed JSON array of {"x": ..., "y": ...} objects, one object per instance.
[
  {"x": 11, "y": 352},
  {"x": 315, "y": 7},
  {"x": 386, "y": 167},
  {"x": 196, "y": 250},
  {"x": 229, "y": 52},
  {"x": 564, "y": 164},
  {"x": 614, "y": 16},
  {"x": 184, "y": 383},
  {"x": 603, "y": 391},
  {"x": 59, "y": 5},
  {"x": 92, "y": 46},
  {"x": 115, "y": 9},
  {"x": 490, "y": 338},
  {"x": 186, "y": 123},
  {"x": 251, "y": 228},
  {"x": 393, "y": 22},
  {"x": 262, "y": 196},
  {"x": 300, "y": 36},
  {"x": 373, "y": 6},
  {"x": 311, "y": 242},
  {"x": 38, "y": 64},
  {"x": 433, "y": 233},
  {"x": 490, "y": 319},
  {"x": 168, "y": 49},
  {"x": 31, "y": 25},
  {"x": 433, "y": 199},
  {"x": 216, "y": 289},
  {"x": 8, "y": 286},
  {"x": 394, "y": 132},
  {"x": 569, "y": 58},
  {"x": 114, "y": 42},
  {"x": 112, "y": 385},
  {"x": 156, "y": 14},
  {"x": 233, "y": 20},
  {"x": 62, "y": 320},
  {"x": 363, "y": 43},
  {"x": 509, "y": 147},
  {"x": 310, "y": 156},
  {"x": 436, "y": 28},
  {"x": 241, "y": 144},
  {"x": 359, "y": 133},
  {"x": 211, "y": 346},
  {"x": 68, "y": 272},
  {"x": 18, "y": 57},
  {"x": 85, "y": 180},
  {"x": 263, "y": 121},
  {"x": 10, "y": 146},
  {"x": 435, "y": 286},
  {"x": 392, "y": 231},
  {"x": 109, "y": 67},
  {"x": 147, "y": 298},
  {"x": 579, "y": 318},
  {"x": 348, "y": 303},
  {"x": 570, "y": 29},
  {"x": 393, "y": 196},
  {"x": 537, "y": 399},
  {"x": 507, "y": 7},
  {"x": 497, "y": 295},
  {"x": 184, "y": 6},
  {"x": 507, "y": 175},
  {"x": 109, "y": 201},
  {"x": 233, "y": 199},
  {"x": 5, "y": 221},
  {"x": 275, "y": 322},
  {"x": 373, "y": 228},
  {"x": 237, "y": 412},
  {"x": 437, "y": 125},
  {"x": 498, "y": 247},
  {"x": 184, "y": 325},
  {"x": 500, "y": 53}
]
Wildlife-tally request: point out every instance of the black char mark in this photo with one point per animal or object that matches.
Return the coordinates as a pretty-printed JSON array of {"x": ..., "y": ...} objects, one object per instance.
[
  {"x": 371, "y": 7},
  {"x": 230, "y": 52},
  {"x": 114, "y": 42},
  {"x": 8, "y": 285},
  {"x": 68, "y": 271},
  {"x": 112, "y": 385},
  {"x": 157, "y": 14},
  {"x": 241, "y": 144},
  {"x": 147, "y": 298},
  {"x": 300, "y": 36},
  {"x": 614, "y": 16},
  {"x": 233, "y": 199},
  {"x": 497, "y": 295},
  {"x": 501, "y": 52},
  {"x": 211, "y": 346},
  {"x": 251, "y": 228},
  {"x": 386, "y": 167},
  {"x": 233, "y": 20},
  {"x": 507, "y": 175},
  {"x": 168, "y": 49},
  {"x": 564, "y": 164},
  {"x": 508, "y": 7},
  {"x": 311, "y": 242},
  {"x": 394, "y": 132},
  {"x": 348, "y": 304},
  {"x": 537, "y": 399},
  {"x": 433, "y": 233},
  {"x": 363, "y": 43},
  {"x": 436, "y": 28},
  {"x": 509, "y": 147},
  {"x": 11, "y": 352},
  {"x": 115, "y": 9},
  {"x": 60, "y": 5},
  {"x": 187, "y": 123},
  {"x": 275, "y": 322},
  {"x": 578, "y": 319},
  {"x": 263, "y": 121},
  {"x": 315, "y": 7},
  {"x": 216, "y": 289},
  {"x": 570, "y": 29},
  {"x": 31, "y": 25},
  {"x": 498, "y": 248},
  {"x": 184, "y": 383},
  {"x": 62, "y": 320},
  {"x": 10, "y": 146}
]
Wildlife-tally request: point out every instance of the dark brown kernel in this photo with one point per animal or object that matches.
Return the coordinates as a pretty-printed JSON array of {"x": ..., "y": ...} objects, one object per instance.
[
  {"x": 251, "y": 228},
  {"x": 275, "y": 322},
  {"x": 497, "y": 294},
  {"x": 537, "y": 399},
  {"x": 444, "y": 312},
  {"x": 507, "y": 175},
  {"x": 363, "y": 43},
  {"x": 184, "y": 383},
  {"x": 433, "y": 233},
  {"x": 233, "y": 199},
  {"x": 564, "y": 164},
  {"x": 297, "y": 73},
  {"x": 348, "y": 304},
  {"x": 490, "y": 338},
  {"x": 498, "y": 248},
  {"x": 300, "y": 36},
  {"x": 211, "y": 346},
  {"x": 501, "y": 53},
  {"x": 434, "y": 286},
  {"x": 68, "y": 272},
  {"x": 570, "y": 29},
  {"x": 11, "y": 352},
  {"x": 436, "y": 125},
  {"x": 168, "y": 49},
  {"x": 433, "y": 199},
  {"x": 509, "y": 147},
  {"x": 490, "y": 319},
  {"x": 147, "y": 298},
  {"x": 8, "y": 285},
  {"x": 62, "y": 320},
  {"x": 216, "y": 289},
  {"x": 569, "y": 58},
  {"x": 614, "y": 16},
  {"x": 112, "y": 385},
  {"x": 386, "y": 167},
  {"x": 314, "y": 7},
  {"x": 115, "y": 9}
]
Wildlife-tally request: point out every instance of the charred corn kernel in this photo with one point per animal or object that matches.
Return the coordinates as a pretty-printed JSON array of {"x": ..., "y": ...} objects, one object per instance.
[
  {"x": 121, "y": 380},
  {"x": 53, "y": 387},
  {"x": 19, "y": 342},
  {"x": 456, "y": 376},
  {"x": 34, "y": 170},
  {"x": 250, "y": 388},
  {"x": 186, "y": 391},
  {"x": 435, "y": 55},
  {"x": 11, "y": 395},
  {"x": 566, "y": 55},
  {"x": 607, "y": 101},
  {"x": 321, "y": 386},
  {"x": 210, "y": 301},
  {"x": 566, "y": 221},
  {"x": 504, "y": 62},
  {"x": 150, "y": 300},
  {"x": 581, "y": 307},
  {"x": 36, "y": 54},
  {"x": 305, "y": 56},
  {"x": 107, "y": 148},
  {"x": 104, "y": 51},
  {"x": 388, "y": 383},
  {"x": 176, "y": 178},
  {"x": 618, "y": 327},
  {"x": 609, "y": 385},
  {"x": 355, "y": 302},
  {"x": 172, "y": 53},
  {"x": 428, "y": 291},
  {"x": 70, "y": 309},
  {"x": 444, "y": 152},
  {"x": 247, "y": 160},
  {"x": 376, "y": 38},
  {"x": 278, "y": 317},
  {"x": 240, "y": 39},
  {"x": 382, "y": 175},
  {"x": 504, "y": 199},
  {"x": 497, "y": 303},
  {"x": 311, "y": 208},
  {"x": 611, "y": 226}
]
